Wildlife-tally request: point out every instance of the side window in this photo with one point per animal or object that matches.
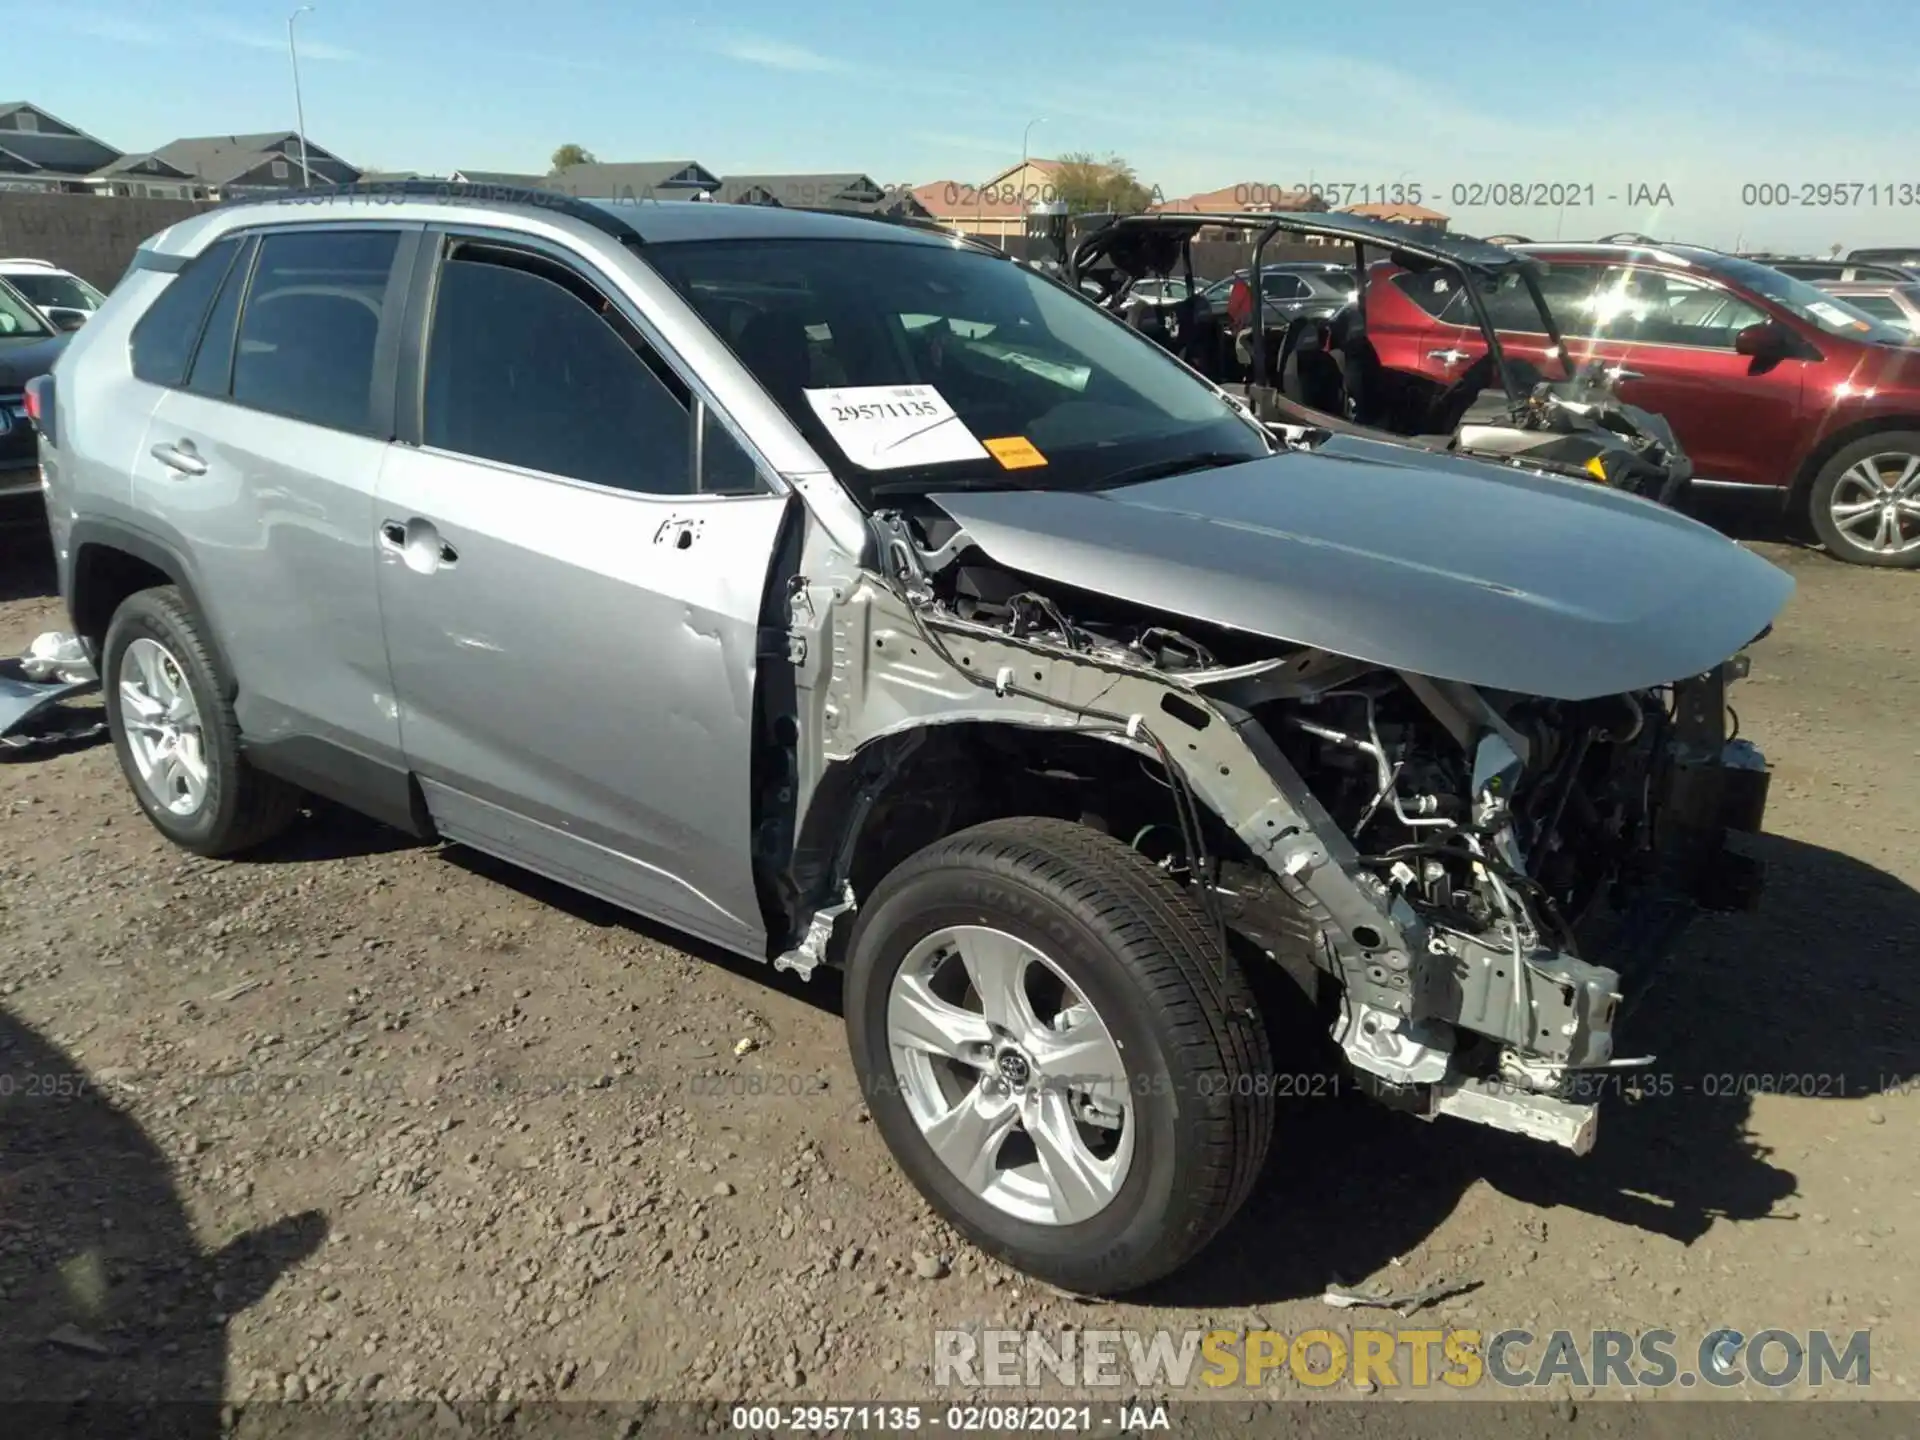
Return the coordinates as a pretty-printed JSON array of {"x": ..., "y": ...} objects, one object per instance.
[
  {"x": 212, "y": 372},
  {"x": 308, "y": 329},
  {"x": 1569, "y": 292},
  {"x": 1434, "y": 291},
  {"x": 725, "y": 467},
  {"x": 1278, "y": 285},
  {"x": 1881, "y": 307},
  {"x": 163, "y": 339},
  {"x": 1652, "y": 307},
  {"x": 529, "y": 365}
]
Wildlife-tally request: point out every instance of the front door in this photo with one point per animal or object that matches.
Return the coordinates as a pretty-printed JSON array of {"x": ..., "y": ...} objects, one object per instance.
[
  {"x": 572, "y": 617},
  {"x": 1668, "y": 340}
]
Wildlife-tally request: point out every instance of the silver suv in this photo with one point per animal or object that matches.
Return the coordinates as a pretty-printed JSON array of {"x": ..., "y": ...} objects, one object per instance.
[{"x": 846, "y": 595}]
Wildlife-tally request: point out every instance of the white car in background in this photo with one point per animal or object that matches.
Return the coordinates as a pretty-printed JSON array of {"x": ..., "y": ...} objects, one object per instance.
[{"x": 63, "y": 297}]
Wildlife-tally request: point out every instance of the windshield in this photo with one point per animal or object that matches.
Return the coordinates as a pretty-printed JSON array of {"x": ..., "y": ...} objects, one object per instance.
[
  {"x": 1812, "y": 304},
  {"x": 50, "y": 288},
  {"x": 915, "y": 366},
  {"x": 17, "y": 317}
]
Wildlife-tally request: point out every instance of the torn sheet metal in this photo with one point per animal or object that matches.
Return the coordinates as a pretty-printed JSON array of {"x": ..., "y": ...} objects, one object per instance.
[{"x": 32, "y": 688}]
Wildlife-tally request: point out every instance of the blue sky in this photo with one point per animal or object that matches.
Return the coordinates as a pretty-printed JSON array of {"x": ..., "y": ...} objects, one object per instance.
[{"x": 1702, "y": 99}]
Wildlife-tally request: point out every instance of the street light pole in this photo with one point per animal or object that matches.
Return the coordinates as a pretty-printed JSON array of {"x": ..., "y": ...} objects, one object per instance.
[
  {"x": 299, "y": 110},
  {"x": 1023, "y": 139}
]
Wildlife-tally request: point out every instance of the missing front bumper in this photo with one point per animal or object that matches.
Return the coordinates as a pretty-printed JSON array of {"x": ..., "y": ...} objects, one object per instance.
[{"x": 1568, "y": 1123}]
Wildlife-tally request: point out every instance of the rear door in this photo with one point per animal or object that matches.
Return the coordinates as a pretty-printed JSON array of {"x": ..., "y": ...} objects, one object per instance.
[
  {"x": 1668, "y": 339},
  {"x": 259, "y": 464},
  {"x": 574, "y": 549},
  {"x": 1453, "y": 339}
]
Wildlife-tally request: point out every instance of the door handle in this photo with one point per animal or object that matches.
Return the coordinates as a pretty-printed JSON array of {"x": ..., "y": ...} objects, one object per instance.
[
  {"x": 1618, "y": 373},
  {"x": 181, "y": 457},
  {"x": 418, "y": 544},
  {"x": 1449, "y": 357}
]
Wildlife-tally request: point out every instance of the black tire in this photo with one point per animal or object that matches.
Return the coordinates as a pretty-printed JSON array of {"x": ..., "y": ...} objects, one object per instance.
[
  {"x": 1141, "y": 952},
  {"x": 1820, "y": 499},
  {"x": 243, "y": 807}
]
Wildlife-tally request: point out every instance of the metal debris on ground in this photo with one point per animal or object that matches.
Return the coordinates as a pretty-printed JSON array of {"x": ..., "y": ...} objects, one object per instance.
[
  {"x": 33, "y": 687},
  {"x": 1405, "y": 1302}
]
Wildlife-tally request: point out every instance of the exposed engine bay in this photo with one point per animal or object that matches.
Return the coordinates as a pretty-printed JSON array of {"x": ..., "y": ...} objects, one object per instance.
[{"x": 1471, "y": 883}]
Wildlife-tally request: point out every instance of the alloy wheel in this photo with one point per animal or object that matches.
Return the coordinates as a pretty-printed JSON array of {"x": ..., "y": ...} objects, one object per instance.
[
  {"x": 1012, "y": 1077},
  {"x": 1876, "y": 503},
  {"x": 163, "y": 727}
]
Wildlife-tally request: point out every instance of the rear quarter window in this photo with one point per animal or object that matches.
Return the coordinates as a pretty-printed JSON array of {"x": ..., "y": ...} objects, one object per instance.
[{"x": 164, "y": 338}]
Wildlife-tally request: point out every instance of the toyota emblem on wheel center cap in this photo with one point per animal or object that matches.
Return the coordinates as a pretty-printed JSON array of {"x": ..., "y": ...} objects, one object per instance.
[{"x": 1014, "y": 1068}]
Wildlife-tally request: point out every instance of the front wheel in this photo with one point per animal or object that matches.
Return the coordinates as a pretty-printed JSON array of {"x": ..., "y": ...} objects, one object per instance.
[
  {"x": 1057, "y": 1052},
  {"x": 1865, "y": 503}
]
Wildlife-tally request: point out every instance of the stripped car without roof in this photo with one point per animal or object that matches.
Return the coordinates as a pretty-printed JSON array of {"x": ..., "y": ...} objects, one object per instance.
[
  {"x": 847, "y": 594},
  {"x": 1320, "y": 372}
]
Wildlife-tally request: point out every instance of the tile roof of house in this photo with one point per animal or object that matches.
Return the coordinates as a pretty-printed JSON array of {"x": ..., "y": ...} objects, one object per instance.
[
  {"x": 1395, "y": 212},
  {"x": 77, "y": 153},
  {"x": 129, "y": 163},
  {"x": 796, "y": 189},
  {"x": 500, "y": 177},
  {"x": 217, "y": 159},
  {"x": 631, "y": 179},
  {"x": 1248, "y": 195}
]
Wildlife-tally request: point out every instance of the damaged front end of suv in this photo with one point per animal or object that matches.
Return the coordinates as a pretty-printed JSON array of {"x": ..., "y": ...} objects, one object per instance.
[{"x": 1464, "y": 792}]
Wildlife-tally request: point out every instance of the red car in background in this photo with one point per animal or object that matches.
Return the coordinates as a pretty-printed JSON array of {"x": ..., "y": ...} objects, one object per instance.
[{"x": 1771, "y": 385}]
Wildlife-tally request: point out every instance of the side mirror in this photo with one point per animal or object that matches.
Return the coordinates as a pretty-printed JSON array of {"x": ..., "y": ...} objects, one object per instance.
[
  {"x": 1764, "y": 341},
  {"x": 65, "y": 318}
]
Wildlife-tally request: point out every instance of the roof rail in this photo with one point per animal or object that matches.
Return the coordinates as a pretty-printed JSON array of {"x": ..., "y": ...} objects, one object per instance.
[{"x": 455, "y": 192}]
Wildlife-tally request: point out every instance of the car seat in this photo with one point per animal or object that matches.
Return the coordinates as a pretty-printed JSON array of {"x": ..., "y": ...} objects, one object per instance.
[{"x": 1310, "y": 375}]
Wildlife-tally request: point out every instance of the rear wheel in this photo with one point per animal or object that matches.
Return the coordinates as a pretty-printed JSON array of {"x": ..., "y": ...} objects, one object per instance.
[
  {"x": 1865, "y": 504},
  {"x": 1057, "y": 1052},
  {"x": 173, "y": 728}
]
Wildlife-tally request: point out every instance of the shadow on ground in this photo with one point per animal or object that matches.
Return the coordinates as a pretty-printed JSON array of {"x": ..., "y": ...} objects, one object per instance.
[
  {"x": 822, "y": 992},
  {"x": 114, "y": 1319},
  {"x": 1809, "y": 996}
]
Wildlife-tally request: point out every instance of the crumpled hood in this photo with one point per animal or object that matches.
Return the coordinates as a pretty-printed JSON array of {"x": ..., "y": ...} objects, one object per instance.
[
  {"x": 1446, "y": 567},
  {"x": 21, "y": 362}
]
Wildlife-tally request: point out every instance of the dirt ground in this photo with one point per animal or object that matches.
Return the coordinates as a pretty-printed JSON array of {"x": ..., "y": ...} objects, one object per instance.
[{"x": 372, "y": 1119}]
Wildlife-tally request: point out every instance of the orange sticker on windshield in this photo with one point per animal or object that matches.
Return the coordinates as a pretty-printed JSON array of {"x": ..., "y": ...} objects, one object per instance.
[{"x": 1014, "y": 452}]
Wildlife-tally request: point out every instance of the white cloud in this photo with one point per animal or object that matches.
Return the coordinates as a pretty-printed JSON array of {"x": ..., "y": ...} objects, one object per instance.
[
  {"x": 257, "y": 40},
  {"x": 774, "y": 54},
  {"x": 117, "y": 30}
]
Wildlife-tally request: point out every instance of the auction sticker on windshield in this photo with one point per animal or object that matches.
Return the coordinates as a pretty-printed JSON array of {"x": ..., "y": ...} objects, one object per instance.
[
  {"x": 1016, "y": 452},
  {"x": 890, "y": 427}
]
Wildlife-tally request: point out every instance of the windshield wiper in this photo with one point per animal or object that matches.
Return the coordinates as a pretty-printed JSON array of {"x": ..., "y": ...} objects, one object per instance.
[
  {"x": 927, "y": 485},
  {"x": 1181, "y": 465}
]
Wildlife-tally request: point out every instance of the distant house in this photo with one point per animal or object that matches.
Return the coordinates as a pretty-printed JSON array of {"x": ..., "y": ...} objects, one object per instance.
[
  {"x": 1418, "y": 216},
  {"x": 996, "y": 207},
  {"x": 1255, "y": 196},
  {"x": 635, "y": 180},
  {"x": 146, "y": 176},
  {"x": 857, "y": 194},
  {"x": 40, "y": 151},
  {"x": 499, "y": 177},
  {"x": 224, "y": 165}
]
